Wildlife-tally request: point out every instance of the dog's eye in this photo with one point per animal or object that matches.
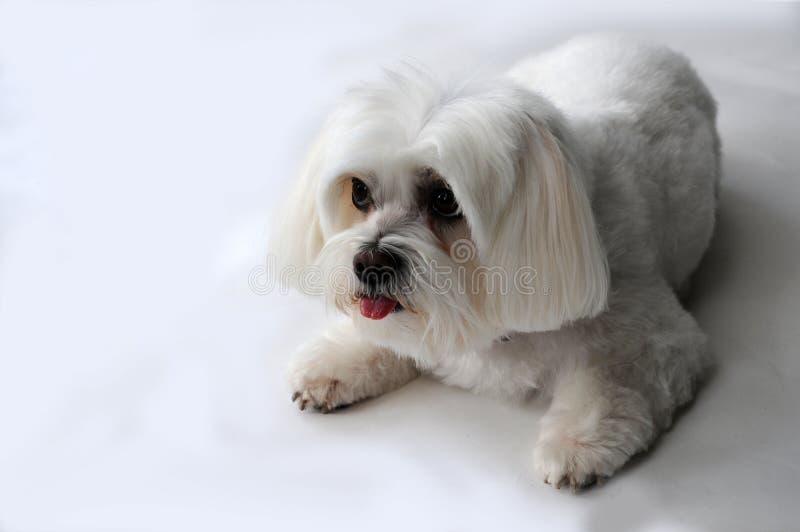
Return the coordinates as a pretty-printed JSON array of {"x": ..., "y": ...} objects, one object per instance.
[
  {"x": 443, "y": 203},
  {"x": 361, "y": 196}
]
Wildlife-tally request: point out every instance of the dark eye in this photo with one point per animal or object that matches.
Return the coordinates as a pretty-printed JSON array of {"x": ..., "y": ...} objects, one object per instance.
[
  {"x": 361, "y": 196},
  {"x": 443, "y": 203}
]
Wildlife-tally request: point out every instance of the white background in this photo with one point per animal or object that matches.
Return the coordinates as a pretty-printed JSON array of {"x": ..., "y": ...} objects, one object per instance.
[{"x": 142, "y": 147}]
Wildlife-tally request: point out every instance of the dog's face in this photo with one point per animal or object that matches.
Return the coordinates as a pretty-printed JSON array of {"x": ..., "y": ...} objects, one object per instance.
[{"x": 443, "y": 219}]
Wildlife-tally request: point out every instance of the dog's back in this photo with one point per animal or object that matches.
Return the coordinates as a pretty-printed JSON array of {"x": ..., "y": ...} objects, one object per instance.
[{"x": 647, "y": 122}]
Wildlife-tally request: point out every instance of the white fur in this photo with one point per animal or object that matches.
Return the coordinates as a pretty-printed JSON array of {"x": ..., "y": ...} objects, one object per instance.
[{"x": 593, "y": 169}]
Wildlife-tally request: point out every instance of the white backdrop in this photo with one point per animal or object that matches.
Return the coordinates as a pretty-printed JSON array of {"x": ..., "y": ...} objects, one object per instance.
[{"x": 142, "y": 146}]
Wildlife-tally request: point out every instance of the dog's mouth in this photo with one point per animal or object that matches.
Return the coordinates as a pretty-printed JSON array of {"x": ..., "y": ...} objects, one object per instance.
[{"x": 378, "y": 307}]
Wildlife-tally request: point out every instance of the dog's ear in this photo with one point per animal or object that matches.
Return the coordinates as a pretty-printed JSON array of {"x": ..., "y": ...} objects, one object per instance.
[
  {"x": 297, "y": 238},
  {"x": 547, "y": 239}
]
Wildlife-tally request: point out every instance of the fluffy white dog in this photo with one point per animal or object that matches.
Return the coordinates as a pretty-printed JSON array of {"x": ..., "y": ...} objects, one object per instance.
[{"x": 525, "y": 234}]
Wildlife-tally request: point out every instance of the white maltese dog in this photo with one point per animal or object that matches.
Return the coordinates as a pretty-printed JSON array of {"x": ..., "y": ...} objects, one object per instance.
[{"x": 527, "y": 234}]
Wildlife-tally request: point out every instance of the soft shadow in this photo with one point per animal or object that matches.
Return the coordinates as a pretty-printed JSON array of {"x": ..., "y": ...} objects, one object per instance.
[{"x": 707, "y": 460}]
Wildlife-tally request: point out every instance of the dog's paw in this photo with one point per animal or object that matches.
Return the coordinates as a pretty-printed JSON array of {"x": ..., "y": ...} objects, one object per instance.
[
  {"x": 321, "y": 393},
  {"x": 322, "y": 381},
  {"x": 590, "y": 432},
  {"x": 574, "y": 463}
]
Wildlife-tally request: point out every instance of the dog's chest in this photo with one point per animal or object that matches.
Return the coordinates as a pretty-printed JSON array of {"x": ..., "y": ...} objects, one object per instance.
[{"x": 509, "y": 368}]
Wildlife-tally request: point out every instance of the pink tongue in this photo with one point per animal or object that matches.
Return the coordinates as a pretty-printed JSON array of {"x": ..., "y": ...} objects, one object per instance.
[{"x": 377, "y": 308}]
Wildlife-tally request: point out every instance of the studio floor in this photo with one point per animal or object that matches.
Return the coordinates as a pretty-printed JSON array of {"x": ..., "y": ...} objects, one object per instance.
[{"x": 143, "y": 147}]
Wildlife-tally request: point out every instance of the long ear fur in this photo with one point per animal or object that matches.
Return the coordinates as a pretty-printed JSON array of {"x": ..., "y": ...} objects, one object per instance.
[
  {"x": 296, "y": 237},
  {"x": 549, "y": 226}
]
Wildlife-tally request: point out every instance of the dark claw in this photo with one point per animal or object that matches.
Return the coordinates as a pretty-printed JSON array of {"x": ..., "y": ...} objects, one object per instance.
[
  {"x": 295, "y": 395},
  {"x": 590, "y": 481},
  {"x": 303, "y": 403},
  {"x": 326, "y": 408}
]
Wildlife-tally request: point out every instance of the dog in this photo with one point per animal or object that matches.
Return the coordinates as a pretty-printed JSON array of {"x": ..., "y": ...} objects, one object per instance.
[{"x": 525, "y": 235}]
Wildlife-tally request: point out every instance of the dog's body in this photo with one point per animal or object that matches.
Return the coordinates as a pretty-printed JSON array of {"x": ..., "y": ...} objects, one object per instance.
[{"x": 610, "y": 206}]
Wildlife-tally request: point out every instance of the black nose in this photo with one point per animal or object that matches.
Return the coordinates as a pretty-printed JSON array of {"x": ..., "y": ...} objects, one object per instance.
[{"x": 376, "y": 267}]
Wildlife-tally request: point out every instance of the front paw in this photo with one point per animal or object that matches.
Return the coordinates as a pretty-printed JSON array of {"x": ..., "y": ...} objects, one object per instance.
[
  {"x": 581, "y": 450},
  {"x": 320, "y": 380},
  {"x": 574, "y": 463},
  {"x": 320, "y": 394},
  {"x": 339, "y": 369}
]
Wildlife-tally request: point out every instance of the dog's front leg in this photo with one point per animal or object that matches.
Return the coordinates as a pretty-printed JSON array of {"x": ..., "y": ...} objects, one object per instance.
[
  {"x": 593, "y": 427},
  {"x": 613, "y": 405},
  {"x": 338, "y": 368}
]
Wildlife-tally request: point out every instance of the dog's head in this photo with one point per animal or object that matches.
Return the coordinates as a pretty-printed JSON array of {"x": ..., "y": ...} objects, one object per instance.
[{"x": 442, "y": 218}]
